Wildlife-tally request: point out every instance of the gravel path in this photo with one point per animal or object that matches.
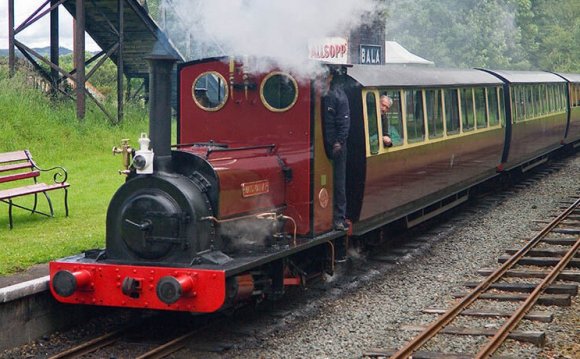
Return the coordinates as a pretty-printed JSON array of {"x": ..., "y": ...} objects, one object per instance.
[{"x": 367, "y": 312}]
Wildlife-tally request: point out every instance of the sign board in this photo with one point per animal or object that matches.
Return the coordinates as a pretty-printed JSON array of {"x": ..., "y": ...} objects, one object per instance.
[
  {"x": 370, "y": 54},
  {"x": 329, "y": 49},
  {"x": 250, "y": 189}
]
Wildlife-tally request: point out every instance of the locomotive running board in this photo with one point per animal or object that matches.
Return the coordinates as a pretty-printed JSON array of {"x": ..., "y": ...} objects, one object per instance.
[{"x": 427, "y": 213}]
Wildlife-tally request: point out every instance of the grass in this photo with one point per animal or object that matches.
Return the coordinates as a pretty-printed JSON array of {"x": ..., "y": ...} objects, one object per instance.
[{"x": 49, "y": 129}]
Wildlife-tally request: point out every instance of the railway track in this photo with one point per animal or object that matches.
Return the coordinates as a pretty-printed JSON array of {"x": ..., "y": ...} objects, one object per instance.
[
  {"x": 137, "y": 341},
  {"x": 526, "y": 276}
]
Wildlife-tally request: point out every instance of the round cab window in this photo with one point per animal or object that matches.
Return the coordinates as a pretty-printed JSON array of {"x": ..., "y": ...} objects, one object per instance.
[
  {"x": 279, "y": 91},
  {"x": 210, "y": 91}
]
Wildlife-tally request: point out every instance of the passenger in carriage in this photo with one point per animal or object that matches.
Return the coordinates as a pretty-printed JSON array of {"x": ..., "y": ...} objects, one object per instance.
[{"x": 390, "y": 133}]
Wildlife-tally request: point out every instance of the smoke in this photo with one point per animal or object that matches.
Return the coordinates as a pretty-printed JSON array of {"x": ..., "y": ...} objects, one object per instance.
[
  {"x": 277, "y": 29},
  {"x": 248, "y": 232}
]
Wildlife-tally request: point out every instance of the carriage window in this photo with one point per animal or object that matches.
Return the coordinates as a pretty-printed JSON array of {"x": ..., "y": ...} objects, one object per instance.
[
  {"x": 524, "y": 93},
  {"x": 501, "y": 104},
  {"x": 480, "y": 108},
  {"x": 529, "y": 101},
  {"x": 559, "y": 96},
  {"x": 550, "y": 98},
  {"x": 210, "y": 91},
  {"x": 415, "y": 124},
  {"x": 392, "y": 121},
  {"x": 541, "y": 99},
  {"x": 372, "y": 123},
  {"x": 434, "y": 113},
  {"x": 493, "y": 106},
  {"x": 279, "y": 91},
  {"x": 521, "y": 102},
  {"x": 514, "y": 103},
  {"x": 563, "y": 96},
  {"x": 452, "y": 111},
  {"x": 467, "y": 109},
  {"x": 556, "y": 98},
  {"x": 537, "y": 100}
]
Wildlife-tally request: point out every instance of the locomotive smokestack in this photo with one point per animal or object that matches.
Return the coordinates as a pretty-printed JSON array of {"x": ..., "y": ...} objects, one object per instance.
[{"x": 161, "y": 67}]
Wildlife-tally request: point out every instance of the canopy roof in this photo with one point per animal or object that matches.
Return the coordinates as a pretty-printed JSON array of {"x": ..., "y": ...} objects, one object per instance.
[{"x": 397, "y": 54}]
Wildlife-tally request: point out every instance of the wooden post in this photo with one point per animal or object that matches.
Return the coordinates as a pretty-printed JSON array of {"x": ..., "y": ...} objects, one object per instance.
[
  {"x": 11, "y": 54},
  {"x": 54, "y": 46},
  {"x": 79, "y": 55},
  {"x": 120, "y": 64}
]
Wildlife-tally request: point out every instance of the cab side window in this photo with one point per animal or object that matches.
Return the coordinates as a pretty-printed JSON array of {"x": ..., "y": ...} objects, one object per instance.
[{"x": 372, "y": 123}]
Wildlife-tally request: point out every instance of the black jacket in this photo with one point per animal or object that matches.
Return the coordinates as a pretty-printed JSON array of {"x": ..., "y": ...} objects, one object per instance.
[{"x": 336, "y": 120}]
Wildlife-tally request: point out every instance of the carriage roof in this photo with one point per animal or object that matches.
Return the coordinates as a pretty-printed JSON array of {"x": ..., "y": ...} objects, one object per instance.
[
  {"x": 400, "y": 76},
  {"x": 527, "y": 77}
]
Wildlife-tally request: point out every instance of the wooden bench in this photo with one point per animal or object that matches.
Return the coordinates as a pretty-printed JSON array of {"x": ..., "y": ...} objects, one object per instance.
[{"x": 18, "y": 166}]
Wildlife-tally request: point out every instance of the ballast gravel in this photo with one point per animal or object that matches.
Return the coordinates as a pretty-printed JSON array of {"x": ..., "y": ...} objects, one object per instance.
[{"x": 366, "y": 306}]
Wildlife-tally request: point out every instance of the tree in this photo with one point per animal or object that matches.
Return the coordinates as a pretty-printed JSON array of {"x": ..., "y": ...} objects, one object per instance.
[
  {"x": 506, "y": 34},
  {"x": 558, "y": 35}
]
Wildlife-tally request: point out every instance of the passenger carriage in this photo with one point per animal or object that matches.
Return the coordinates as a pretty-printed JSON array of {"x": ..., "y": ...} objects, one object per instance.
[
  {"x": 537, "y": 105},
  {"x": 573, "y": 94},
  {"x": 451, "y": 123}
]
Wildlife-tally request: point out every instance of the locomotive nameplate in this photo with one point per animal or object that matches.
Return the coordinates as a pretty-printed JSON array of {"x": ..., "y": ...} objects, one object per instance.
[{"x": 256, "y": 188}]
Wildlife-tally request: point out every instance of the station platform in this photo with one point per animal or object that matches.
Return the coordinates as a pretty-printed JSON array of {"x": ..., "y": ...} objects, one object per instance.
[{"x": 35, "y": 272}]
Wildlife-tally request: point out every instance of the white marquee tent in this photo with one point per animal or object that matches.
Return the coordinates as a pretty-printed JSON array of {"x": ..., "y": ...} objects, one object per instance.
[{"x": 397, "y": 54}]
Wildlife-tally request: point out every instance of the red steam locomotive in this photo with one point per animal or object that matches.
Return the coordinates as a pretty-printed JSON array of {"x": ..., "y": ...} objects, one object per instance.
[{"x": 241, "y": 208}]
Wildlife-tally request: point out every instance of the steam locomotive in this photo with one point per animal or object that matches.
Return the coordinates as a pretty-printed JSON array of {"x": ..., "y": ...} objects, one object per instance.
[{"x": 241, "y": 208}]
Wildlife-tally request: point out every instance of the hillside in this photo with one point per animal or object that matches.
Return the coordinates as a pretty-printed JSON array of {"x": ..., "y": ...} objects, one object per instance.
[{"x": 44, "y": 51}]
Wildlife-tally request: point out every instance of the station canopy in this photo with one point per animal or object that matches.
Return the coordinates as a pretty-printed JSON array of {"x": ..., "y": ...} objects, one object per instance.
[{"x": 397, "y": 54}]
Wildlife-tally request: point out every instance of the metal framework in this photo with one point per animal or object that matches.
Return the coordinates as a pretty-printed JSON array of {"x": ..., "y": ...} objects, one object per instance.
[{"x": 78, "y": 76}]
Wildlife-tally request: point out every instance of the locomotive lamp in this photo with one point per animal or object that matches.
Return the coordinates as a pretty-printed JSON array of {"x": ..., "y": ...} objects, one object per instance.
[{"x": 143, "y": 159}]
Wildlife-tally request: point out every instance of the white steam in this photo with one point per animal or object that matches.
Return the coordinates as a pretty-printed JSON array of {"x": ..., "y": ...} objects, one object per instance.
[{"x": 277, "y": 29}]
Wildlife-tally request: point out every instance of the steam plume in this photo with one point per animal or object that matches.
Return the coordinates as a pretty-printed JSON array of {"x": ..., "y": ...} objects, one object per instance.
[{"x": 277, "y": 29}]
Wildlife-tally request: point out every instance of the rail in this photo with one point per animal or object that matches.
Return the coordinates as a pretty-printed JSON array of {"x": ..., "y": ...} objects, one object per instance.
[{"x": 498, "y": 337}]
